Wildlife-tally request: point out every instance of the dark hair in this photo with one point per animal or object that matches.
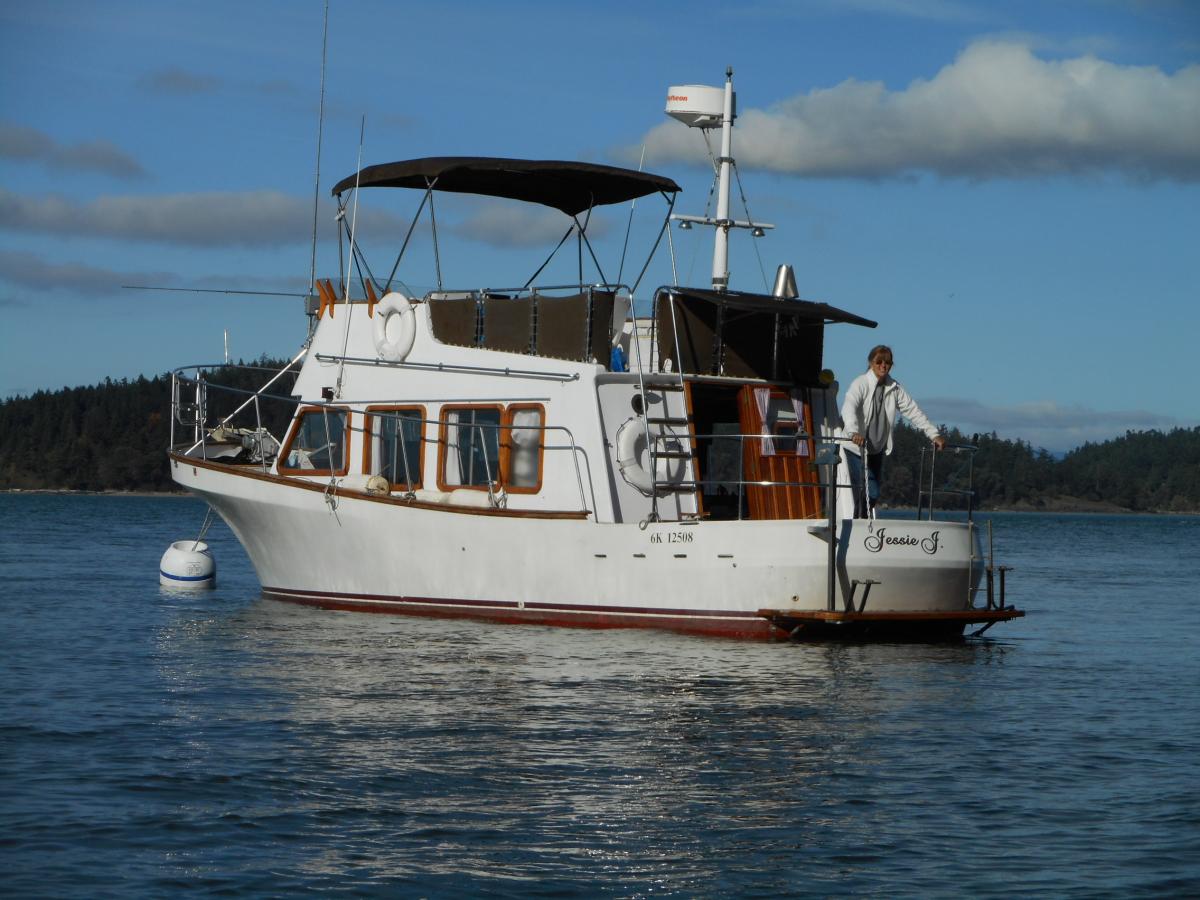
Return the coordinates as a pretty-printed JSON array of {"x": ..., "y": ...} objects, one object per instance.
[{"x": 877, "y": 350}]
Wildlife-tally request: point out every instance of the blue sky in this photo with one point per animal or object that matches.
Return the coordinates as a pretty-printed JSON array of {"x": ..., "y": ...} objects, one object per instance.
[{"x": 1012, "y": 190}]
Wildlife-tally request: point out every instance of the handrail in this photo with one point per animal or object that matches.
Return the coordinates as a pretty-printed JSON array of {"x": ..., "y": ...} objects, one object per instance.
[
  {"x": 742, "y": 482},
  {"x": 931, "y": 492},
  {"x": 615, "y": 287},
  {"x": 252, "y": 399},
  {"x": 203, "y": 386},
  {"x": 451, "y": 367},
  {"x": 572, "y": 446}
]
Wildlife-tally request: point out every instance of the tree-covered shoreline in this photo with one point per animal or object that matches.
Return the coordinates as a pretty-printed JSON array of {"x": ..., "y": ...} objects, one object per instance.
[
  {"x": 1141, "y": 471},
  {"x": 112, "y": 438}
]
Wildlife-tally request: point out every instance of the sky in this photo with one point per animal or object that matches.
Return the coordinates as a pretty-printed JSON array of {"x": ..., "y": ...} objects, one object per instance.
[{"x": 1011, "y": 190}]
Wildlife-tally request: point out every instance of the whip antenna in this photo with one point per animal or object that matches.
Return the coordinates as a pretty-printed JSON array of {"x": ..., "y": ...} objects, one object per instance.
[
  {"x": 629, "y": 224},
  {"x": 312, "y": 266}
]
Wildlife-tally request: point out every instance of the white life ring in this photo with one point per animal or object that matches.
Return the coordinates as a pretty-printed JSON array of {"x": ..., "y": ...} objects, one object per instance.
[
  {"x": 633, "y": 457},
  {"x": 395, "y": 327}
]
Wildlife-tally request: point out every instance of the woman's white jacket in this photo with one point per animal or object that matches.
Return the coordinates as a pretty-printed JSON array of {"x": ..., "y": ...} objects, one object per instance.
[{"x": 856, "y": 409}]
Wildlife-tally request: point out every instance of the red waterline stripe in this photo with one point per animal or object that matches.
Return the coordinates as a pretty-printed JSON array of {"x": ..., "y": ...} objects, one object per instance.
[{"x": 728, "y": 623}]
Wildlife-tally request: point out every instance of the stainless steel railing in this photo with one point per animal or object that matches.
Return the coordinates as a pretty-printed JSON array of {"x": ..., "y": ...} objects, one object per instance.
[{"x": 193, "y": 413}]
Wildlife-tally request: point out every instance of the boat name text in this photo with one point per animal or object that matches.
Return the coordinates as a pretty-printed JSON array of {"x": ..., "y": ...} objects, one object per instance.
[{"x": 880, "y": 539}]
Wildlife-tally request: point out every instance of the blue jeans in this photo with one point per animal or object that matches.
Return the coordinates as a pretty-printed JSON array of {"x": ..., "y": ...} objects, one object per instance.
[{"x": 874, "y": 473}]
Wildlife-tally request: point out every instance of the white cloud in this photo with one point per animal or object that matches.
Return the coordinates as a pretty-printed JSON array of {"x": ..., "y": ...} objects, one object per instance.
[
  {"x": 503, "y": 225},
  {"x": 997, "y": 111},
  {"x": 30, "y": 145},
  {"x": 930, "y": 10},
  {"x": 219, "y": 219},
  {"x": 178, "y": 81},
  {"x": 23, "y": 270},
  {"x": 27, "y": 270},
  {"x": 1045, "y": 423}
]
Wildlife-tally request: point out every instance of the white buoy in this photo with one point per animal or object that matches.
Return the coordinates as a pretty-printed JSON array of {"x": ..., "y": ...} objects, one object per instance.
[{"x": 187, "y": 564}]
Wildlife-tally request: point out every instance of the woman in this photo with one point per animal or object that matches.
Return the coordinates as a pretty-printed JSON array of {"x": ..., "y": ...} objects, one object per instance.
[{"x": 868, "y": 415}]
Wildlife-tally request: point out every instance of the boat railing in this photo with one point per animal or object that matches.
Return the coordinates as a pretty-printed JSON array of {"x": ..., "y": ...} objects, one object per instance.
[
  {"x": 502, "y": 372},
  {"x": 191, "y": 407},
  {"x": 826, "y": 476},
  {"x": 495, "y": 481},
  {"x": 822, "y": 461},
  {"x": 825, "y": 447},
  {"x": 253, "y": 397},
  {"x": 508, "y": 293},
  {"x": 191, "y": 404},
  {"x": 536, "y": 320},
  {"x": 928, "y": 492}
]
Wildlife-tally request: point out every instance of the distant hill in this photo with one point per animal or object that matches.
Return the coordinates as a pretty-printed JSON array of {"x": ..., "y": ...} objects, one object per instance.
[
  {"x": 1143, "y": 471},
  {"x": 113, "y": 437}
]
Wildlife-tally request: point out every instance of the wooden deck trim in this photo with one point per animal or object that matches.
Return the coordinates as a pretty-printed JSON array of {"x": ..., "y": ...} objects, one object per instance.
[
  {"x": 963, "y": 616},
  {"x": 255, "y": 472}
]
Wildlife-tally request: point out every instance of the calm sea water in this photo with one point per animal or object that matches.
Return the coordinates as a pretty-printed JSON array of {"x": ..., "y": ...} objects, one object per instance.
[{"x": 156, "y": 743}]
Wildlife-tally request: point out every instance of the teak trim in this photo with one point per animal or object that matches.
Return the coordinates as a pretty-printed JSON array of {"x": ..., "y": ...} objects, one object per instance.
[
  {"x": 506, "y": 431},
  {"x": 256, "y": 474},
  {"x": 444, "y": 444},
  {"x": 369, "y": 440},
  {"x": 295, "y": 430}
]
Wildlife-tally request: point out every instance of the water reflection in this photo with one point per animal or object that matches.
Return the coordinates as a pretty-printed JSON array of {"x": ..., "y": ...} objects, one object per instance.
[
  {"x": 233, "y": 745},
  {"x": 451, "y": 747}
]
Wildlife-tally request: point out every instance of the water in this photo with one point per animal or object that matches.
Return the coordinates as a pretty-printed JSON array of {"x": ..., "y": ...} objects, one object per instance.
[{"x": 156, "y": 744}]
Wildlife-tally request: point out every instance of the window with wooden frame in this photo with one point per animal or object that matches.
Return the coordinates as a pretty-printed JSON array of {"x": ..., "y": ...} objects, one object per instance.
[
  {"x": 522, "y": 445},
  {"x": 318, "y": 443},
  {"x": 783, "y": 423},
  {"x": 394, "y": 445},
  {"x": 469, "y": 447},
  {"x": 781, "y": 480}
]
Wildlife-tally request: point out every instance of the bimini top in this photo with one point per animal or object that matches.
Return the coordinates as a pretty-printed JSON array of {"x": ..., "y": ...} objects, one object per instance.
[{"x": 568, "y": 186}]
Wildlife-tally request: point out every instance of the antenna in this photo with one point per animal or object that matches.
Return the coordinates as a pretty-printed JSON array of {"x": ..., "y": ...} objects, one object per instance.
[
  {"x": 629, "y": 224},
  {"x": 312, "y": 266},
  {"x": 362, "y": 128},
  {"x": 700, "y": 106}
]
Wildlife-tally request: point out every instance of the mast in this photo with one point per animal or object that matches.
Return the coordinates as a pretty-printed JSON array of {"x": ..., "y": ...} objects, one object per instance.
[
  {"x": 699, "y": 106},
  {"x": 720, "y": 267}
]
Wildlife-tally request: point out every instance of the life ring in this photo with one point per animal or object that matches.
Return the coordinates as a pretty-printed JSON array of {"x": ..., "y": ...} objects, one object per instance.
[
  {"x": 633, "y": 457},
  {"x": 395, "y": 327}
]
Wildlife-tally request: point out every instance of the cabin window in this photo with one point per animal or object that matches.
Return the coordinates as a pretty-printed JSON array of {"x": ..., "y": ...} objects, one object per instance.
[
  {"x": 784, "y": 430},
  {"x": 395, "y": 445},
  {"x": 470, "y": 446},
  {"x": 783, "y": 422},
  {"x": 524, "y": 443},
  {"x": 318, "y": 442}
]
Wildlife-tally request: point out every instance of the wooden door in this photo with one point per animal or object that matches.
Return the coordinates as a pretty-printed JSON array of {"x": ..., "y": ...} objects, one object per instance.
[{"x": 784, "y": 456}]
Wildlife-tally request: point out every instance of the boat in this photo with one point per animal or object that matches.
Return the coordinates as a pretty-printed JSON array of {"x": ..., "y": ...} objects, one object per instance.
[{"x": 583, "y": 454}]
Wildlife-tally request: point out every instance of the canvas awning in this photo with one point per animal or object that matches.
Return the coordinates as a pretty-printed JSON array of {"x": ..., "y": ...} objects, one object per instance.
[
  {"x": 741, "y": 335},
  {"x": 568, "y": 186}
]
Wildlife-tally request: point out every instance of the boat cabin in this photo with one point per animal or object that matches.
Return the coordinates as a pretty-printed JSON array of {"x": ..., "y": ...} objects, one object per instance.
[{"x": 558, "y": 399}]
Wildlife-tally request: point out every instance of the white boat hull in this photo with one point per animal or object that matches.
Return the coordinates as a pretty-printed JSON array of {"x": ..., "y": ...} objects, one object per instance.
[{"x": 348, "y": 550}]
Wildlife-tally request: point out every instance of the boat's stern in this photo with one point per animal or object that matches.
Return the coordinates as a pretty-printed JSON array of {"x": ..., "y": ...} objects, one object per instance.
[{"x": 903, "y": 580}]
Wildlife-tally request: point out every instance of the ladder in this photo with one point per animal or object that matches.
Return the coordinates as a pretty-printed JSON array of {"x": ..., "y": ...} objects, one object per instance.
[{"x": 662, "y": 443}]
